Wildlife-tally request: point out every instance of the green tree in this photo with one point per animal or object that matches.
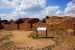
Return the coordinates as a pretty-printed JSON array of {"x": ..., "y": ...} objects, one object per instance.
[{"x": 47, "y": 17}]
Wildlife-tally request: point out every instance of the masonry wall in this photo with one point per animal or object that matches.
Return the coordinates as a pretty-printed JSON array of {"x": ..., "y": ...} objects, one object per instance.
[
  {"x": 24, "y": 26},
  {"x": 11, "y": 26},
  {"x": 1, "y": 27}
]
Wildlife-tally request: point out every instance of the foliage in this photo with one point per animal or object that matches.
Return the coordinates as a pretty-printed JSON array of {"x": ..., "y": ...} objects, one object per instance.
[{"x": 47, "y": 17}]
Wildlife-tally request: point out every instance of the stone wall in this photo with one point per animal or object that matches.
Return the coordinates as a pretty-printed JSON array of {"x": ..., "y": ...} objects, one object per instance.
[
  {"x": 11, "y": 26},
  {"x": 24, "y": 26}
]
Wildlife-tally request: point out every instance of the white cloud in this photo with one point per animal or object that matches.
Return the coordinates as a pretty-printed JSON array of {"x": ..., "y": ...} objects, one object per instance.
[
  {"x": 26, "y": 4},
  {"x": 73, "y": 1},
  {"x": 29, "y": 8},
  {"x": 53, "y": 10},
  {"x": 70, "y": 9},
  {"x": 50, "y": 10},
  {"x": 34, "y": 8},
  {"x": 9, "y": 3},
  {"x": 59, "y": 12},
  {"x": 8, "y": 17}
]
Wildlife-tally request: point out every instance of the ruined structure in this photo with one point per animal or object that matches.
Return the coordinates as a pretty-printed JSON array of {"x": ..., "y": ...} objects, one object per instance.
[{"x": 31, "y": 24}]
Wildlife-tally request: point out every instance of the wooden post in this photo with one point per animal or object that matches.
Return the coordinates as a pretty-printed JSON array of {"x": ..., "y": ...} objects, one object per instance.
[
  {"x": 37, "y": 33},
  {"x": 46, "y": 33}
]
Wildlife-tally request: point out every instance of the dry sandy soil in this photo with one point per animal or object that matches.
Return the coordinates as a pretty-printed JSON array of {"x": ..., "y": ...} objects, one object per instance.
[{"x": 23, "y": 42}]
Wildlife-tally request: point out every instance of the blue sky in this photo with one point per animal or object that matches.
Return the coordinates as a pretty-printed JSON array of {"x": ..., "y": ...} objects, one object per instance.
[
  {"x": 61, "y": 3},
  {"x": 13, "y": 9},
  {"x": 6, "y": 10}
]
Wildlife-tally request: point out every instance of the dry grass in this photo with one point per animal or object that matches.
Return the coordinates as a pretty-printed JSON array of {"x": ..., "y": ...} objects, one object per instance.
[{"x": 20, "y": 40}]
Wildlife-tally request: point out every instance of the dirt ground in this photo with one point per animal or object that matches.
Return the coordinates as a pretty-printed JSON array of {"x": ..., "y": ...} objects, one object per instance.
[{"x": 23, "y": 42}]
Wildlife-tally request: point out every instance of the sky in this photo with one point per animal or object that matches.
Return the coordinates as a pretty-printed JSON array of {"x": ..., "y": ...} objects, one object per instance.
[
  {"x": 14, "y": 9},
  {"x": 61, "y": 3}
]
